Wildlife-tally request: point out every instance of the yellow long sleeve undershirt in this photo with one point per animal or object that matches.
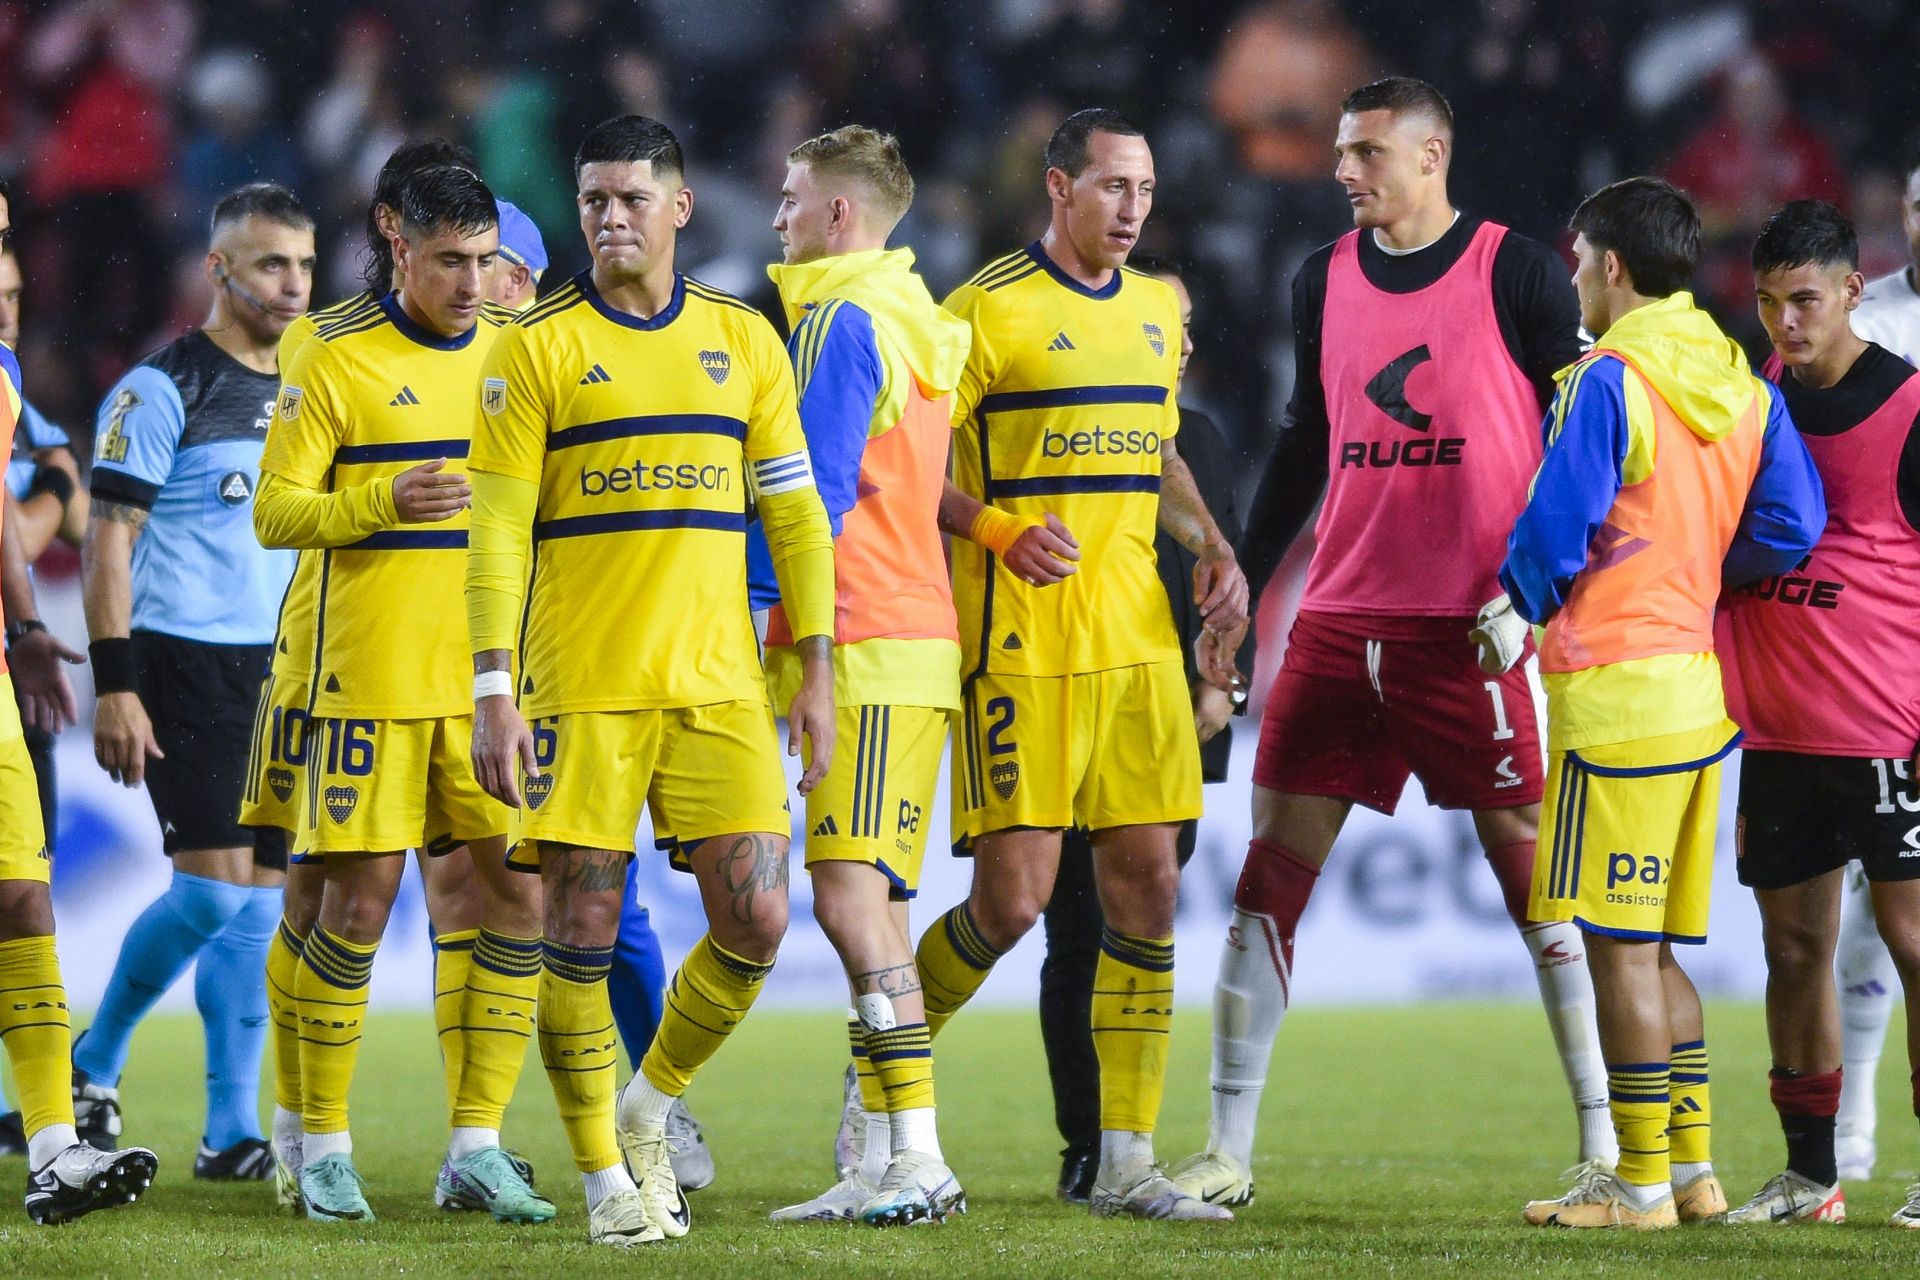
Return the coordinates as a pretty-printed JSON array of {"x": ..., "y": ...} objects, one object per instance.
[
  {"x": 287, "y": 514},
  {"x": 801, "y": 540},
  {"x": 498, "y": 536}
]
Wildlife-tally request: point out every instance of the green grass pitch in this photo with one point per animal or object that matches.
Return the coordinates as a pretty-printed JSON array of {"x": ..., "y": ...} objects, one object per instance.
[{"x": 1395, "y": 1142}]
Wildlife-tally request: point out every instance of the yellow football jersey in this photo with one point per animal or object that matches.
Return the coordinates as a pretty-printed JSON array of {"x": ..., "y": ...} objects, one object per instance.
[
  {"x": 641, "y": 435},
  {"x": 370, "y": 395},
  {"x": 293, "y": 636},
  {"x": 1067, "y": 398}
]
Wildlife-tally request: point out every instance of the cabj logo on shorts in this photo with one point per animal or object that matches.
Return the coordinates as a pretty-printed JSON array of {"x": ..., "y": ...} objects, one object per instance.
[
  {"x": 280, "y": 782},
  {"x": 1005, "y": 776},
  {"x": 340, "y": 801},
  {"x": 718, "y": 365},
  {"x": 537, "y": 789}
]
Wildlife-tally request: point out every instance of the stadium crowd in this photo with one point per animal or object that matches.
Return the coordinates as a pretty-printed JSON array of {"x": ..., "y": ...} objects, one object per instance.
[{"x": 128, "y": 118}]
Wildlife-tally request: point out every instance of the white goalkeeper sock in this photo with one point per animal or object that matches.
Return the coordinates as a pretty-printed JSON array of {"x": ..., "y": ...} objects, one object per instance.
[
  {"x": 1566, "y": 989},
  {"x": 1249, "y": 1001}
]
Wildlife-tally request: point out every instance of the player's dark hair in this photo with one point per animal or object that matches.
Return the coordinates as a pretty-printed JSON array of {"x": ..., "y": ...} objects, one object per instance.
[
  {"x": 407, "y": 159},
  {"x": 267, "y": 200},
  {"x": 1147, "y": 262},
  {"x": 1651, "y": 224},
  {"x": 631, "y": 140},
  {"x": 1803, "y": 232},
  {"x": 1400, "y": 95},
  {"x": 1067, "y": 148},
  {"x": 447, "y": 198}
]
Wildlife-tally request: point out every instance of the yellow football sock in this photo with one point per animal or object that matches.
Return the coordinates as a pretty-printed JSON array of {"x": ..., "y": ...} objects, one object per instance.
[
  {"x": 580, "y": 1048},
  {"x": 331, "y": 990},
  {"x": 953, "y": 959},
  {"x": 872, "y": 1096},
  {"x": 35, "y": 1028},
  {"x": 452, "y": 959},
  {"x": 1638, "y": 1097},
  {"x": 497, "y": 1013},
  {"x": 706, "y": 1000},
  {"x": 1132, "y": 1017},
  {"x": 1690, "y": 1121},
  {"x": 902, "y": 1059},
  {"x": 283, "y": 971}
]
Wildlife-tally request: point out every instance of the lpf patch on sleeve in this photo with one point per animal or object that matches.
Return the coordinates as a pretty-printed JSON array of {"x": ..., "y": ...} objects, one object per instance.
[
  {"x": 290, "y": 398},
  {"x": 493, "y": 395}
]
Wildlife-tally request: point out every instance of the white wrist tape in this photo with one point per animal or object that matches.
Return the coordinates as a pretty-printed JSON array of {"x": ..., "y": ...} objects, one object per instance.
[{"x": 487, "y": 684}]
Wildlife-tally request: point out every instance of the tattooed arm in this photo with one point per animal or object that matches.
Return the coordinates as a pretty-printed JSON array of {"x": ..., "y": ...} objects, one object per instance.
[{"x": 122, "y": 734}]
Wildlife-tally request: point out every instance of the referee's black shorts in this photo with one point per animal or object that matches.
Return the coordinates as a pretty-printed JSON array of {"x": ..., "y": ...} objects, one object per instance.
[{"x": 201, "y": 699}]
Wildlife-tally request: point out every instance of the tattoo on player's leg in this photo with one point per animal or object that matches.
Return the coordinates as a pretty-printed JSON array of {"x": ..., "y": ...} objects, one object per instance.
[
  {"x": 595, "y": 871},
  {"x": 891, "y": 982},
  {"x": 749, "y": 866}
]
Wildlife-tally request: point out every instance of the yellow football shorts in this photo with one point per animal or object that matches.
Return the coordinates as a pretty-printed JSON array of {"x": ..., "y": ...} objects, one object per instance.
[
  {"x": 1627, "y": 835},
  {"x": 1102, "y": 749},
  {"x": 277, "y": 760},
  {"x": 23, "y": 837},
  {"x": 380, "y": 786},
  {"x": 699, "y": 771},
  {"x": 873, "y": 805}
]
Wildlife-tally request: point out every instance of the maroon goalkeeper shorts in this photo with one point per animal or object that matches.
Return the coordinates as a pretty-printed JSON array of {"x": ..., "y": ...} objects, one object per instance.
[{"x": 1362, "y": 702}]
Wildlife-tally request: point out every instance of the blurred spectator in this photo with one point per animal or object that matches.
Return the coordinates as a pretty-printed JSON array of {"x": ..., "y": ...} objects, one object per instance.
[
  {"x": 109, "y": 69},
  {"x": 1752, "y": 156},
  {"x": 1277, "y": 84},
  {"x": 234, "y": 140}
]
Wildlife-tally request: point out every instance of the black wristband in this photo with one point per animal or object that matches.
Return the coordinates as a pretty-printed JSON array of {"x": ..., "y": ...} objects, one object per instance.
[
  {"x": 17, "y": 631},
  {"x": 112, "y": 665},
  {"x": 52, "y": 480}
]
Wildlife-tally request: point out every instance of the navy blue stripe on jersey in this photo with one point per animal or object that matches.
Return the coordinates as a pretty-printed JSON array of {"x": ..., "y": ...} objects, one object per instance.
[
  {"x": 1035, "y": 486},
  {"x": 564, "y": 298},
  {"x": 721, "y": 296},
  {"x": 652, "y": 424},
  {"x": 411, "y": 540},
  {"x": 358, "y": 455},
  {"x": 1013, "y": 277},
  {"x": 637, "y": 521},
  {"x": 352, "y": 322},
  {"x": 1062, "y": 397},
  {"x": 1000, "y": 270}
]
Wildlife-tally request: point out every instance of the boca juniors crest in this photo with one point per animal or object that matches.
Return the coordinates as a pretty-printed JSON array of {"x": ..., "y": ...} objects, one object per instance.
[
  {"x": 340, "y": 801},
  {"x": 537, "y": 789},
  {"x": 718, "y": 365},
  {"x": 280, "y": 782},
  {"x": 1155, "y": 338},
  {"x": 1005, "y": 776}
]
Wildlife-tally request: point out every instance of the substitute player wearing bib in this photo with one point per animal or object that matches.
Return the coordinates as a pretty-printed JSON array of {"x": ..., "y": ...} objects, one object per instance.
[
  {"x": 371, "y": 410},
  {"x": 1075, "y": 707},
  {"x": 622, "y": 421},
  {"x": 180, "y": 603},
  {"x": 876, "y": 362},
  {"x": 66, "y": 1178},
  {"x": 1426, "y": 342},
  {"x": 1669, "y": 470},
  {"x": 1864, "y": 971},
  {"x": 1819, "y": 673}
]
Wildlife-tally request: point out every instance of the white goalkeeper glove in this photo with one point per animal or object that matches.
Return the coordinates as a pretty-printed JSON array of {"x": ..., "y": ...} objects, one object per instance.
[{"x": 1500, "y": 636}]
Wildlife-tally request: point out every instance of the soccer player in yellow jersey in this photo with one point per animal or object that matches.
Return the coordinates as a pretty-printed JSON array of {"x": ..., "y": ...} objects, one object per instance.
[
  {"x": 364, "y": 398},
  {"x": 877, "y": 360},
  {"x": 1076, "y": 710},
  {"x": 623, "y": 421},
  {"x": 66, "y": 1178},
  {"x": 276, "y": 772}
]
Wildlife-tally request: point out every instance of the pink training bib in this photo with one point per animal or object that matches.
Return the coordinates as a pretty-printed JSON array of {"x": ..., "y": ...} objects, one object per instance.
[{"x": 1435, "y": 435}]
